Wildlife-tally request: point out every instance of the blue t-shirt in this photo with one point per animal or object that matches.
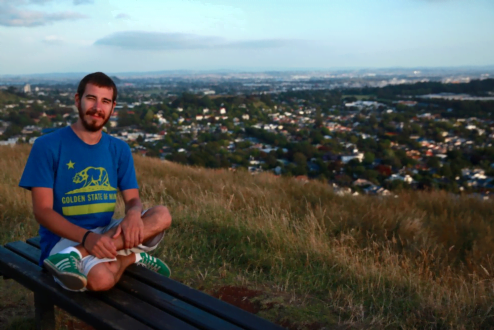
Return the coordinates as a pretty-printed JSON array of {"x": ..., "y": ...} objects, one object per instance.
[{"x": 84, "y": 178}]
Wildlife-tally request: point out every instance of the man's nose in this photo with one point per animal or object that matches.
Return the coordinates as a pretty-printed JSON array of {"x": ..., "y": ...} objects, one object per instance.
[{"x": 98, "y": 105}]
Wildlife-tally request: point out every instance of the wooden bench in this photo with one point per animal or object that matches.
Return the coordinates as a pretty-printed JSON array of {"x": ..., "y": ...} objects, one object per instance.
[{"x": 141, "y": 300}]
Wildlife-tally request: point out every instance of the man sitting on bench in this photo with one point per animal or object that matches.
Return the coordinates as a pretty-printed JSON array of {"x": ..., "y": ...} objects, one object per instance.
[{"x": 73, "y": 174}]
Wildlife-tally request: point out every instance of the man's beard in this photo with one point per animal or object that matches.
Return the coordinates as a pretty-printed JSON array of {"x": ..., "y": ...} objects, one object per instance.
[{"x": 94, "y": 126}]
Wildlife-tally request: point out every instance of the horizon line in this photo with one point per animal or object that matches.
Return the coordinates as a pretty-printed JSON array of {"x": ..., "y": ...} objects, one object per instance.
[{"x": 259, "y": 70}]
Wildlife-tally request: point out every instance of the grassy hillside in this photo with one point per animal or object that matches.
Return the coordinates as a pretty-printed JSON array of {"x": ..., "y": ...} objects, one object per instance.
[
  {"x": 305, "y": 257},
  {"x": 6, "y": 98}
]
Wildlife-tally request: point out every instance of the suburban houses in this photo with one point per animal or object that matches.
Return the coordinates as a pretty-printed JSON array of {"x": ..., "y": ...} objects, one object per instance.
[{"x": 358, "y": 146}]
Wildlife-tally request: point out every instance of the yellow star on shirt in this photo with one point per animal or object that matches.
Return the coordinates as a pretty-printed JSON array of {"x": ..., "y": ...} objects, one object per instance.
[{"x": 70, "y": 164}]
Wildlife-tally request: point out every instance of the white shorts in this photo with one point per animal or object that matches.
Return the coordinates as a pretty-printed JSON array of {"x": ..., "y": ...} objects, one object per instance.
[{"x": 90, "y": 261}]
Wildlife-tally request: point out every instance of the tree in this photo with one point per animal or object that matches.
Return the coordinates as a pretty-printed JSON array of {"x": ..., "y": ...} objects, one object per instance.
[
  {"x": 271, "y": 161},
  {"x": 445, "y": 171},
  {"x": 124, "y": 118},
  {"x": 369, "y": 158},
  {"x": 318, "y": 119},
  {"x": 316, "y": 137},
  {"x": 44, "y": 122},
  {"x": 433, "y": 162},
  {"x": 300, "y": 159},
  {"x": 12, "y": 130},
  {"x": 148, "y": 118},
  {"x": 299, "y": 170}
]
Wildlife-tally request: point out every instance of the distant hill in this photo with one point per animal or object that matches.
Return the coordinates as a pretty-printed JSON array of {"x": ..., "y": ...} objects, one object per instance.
[{"x": 6, "y": 97}]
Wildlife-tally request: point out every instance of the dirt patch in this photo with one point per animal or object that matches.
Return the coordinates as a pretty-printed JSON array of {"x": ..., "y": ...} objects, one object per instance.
[
  {"x": 76, "y": 325},
  {"x": 239, "y": 296},
  {"x": 69, "y": 322}
]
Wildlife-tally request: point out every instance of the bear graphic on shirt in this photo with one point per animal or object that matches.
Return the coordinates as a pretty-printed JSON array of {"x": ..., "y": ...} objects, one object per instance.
[{"x": 93, "y": 179}]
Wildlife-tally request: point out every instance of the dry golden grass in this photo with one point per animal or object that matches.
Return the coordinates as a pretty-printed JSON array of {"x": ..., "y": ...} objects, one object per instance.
[{"x": 423, "y": 260}]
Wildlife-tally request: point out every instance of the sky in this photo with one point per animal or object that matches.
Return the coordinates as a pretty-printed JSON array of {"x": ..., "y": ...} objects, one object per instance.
[{"x": 56, "y": 36}]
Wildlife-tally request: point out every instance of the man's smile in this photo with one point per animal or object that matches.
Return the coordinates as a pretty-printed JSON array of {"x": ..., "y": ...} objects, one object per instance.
[{"x": 95, "y": 115}]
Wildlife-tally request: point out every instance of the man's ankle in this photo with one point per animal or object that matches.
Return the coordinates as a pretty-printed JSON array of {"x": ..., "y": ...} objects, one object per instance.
[{"x": 82, "y": 251}]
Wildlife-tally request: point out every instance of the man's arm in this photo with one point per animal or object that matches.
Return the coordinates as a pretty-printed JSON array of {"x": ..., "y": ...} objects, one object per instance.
[
  {"x": 98, "y": 245},
  {"x": 132, "y": 225}
]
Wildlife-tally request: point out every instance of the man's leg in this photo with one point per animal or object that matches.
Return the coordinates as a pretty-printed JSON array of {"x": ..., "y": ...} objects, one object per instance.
[
  {"x": 156, "y": 220},
  {"x": 105, "y": 275}
]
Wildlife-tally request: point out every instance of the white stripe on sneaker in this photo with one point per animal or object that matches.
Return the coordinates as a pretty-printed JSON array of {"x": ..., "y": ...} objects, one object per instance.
[
  {"x": 61, "y": 262},
  {"x": 64, "y": 265}
]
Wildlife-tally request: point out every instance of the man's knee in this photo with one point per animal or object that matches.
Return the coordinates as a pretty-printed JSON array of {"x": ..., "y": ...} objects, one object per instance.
[
  {"x": 100, "y": 278},
  {"x": 162, "y": 216}
]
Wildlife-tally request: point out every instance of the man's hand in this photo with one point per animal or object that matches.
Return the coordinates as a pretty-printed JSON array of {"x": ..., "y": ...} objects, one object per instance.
[
  {"x": 132, "y": 229},
  {"x": 100, "y": 246}
]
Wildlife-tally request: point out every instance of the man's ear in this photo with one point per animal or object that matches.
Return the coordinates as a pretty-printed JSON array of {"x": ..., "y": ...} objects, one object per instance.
[
  {"x": 77, "y": 99},
  {"x": 113, "y": 108}
]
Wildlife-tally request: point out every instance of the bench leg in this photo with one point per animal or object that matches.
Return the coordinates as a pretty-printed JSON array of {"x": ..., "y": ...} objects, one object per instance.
[
  {"x": 5, "y": 277},
  {"x": 44, "y": 313}
]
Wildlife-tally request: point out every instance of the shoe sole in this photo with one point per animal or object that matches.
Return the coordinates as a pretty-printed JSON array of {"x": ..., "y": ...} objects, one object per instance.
[
  {"x": 71, "y": 281},
  {"x": 168, "y": 271}
]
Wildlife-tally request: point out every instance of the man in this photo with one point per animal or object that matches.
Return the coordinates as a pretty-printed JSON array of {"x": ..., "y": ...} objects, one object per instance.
[{"x": 73, "y": 174}]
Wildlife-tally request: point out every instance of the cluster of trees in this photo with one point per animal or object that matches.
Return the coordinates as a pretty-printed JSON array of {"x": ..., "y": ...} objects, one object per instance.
[
  {"x": 303, "y": 158},
  {"x": 392, "y": 92}
]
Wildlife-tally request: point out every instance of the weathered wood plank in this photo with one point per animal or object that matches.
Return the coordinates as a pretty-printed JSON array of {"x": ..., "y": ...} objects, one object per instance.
[
  {"x": 85, "y": 307},
  {"x": 174, "y": 306},
  {"x": 163, "y": 301},
  {"x": 201, "y": 300},
  {"x": 142, "y": 311},
  {"x": 197, "y": 298},
  {"x": 26, "y": 251},
  {"x": 133, "y": 306},
  {"x": 35, "y": 241}
]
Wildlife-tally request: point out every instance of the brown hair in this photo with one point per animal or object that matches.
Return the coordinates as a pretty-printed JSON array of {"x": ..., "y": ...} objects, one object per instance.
[{"x": 99, "y": 79}]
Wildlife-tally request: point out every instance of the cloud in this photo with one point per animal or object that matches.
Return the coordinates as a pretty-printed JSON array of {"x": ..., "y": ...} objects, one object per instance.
[
  {"x": 10, "y": 16},
  {"x": 140, "y": 40},
  {"x": 18, "y": 3},
  {"x": 53, "y": 40},
  {"x": 122, "y": 16},
  {"x": 434, "y": 1},
  {"x": 36, "y": 2},
  {"x": 16, "y": 16},
  {"x": 83, "y": 2}
]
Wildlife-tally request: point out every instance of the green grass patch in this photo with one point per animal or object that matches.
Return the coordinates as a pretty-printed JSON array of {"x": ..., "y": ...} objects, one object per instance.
[{"x": 304, "y": 257}]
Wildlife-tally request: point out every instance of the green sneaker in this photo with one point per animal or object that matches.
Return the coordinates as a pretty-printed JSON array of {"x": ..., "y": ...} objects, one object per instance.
[
  {"x": 66, "y": 268},
  {"x": 153, "y": 264}
]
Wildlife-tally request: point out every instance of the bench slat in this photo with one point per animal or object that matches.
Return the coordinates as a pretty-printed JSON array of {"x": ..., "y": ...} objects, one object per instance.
[
  {"x": 172, "y": 305},
  {"x": 91, "y": 310},
  {"x": 26, "y": 251},
  {"x": 202, "y": 300},
  {"x": 35, "y": 241},
  {"x": 194, "y": 297},
  {"x": 163, "y": 301},
  {"x": 141, "y": 310},
  {"x": 117, "y": 298}
]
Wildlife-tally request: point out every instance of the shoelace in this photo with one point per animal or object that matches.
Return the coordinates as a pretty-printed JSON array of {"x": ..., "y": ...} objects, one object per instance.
[
  {"x": 78, "y": 263},
  {"x": 149, "y": 263},
  {"x": 75, "y": 263}
]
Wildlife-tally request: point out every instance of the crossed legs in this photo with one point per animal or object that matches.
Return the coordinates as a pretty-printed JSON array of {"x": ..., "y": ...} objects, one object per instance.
[{"x": 105, "y": 275}]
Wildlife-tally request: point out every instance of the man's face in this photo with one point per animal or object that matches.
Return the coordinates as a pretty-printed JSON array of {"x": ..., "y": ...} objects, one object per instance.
[{"x": 95, "y": 107}]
